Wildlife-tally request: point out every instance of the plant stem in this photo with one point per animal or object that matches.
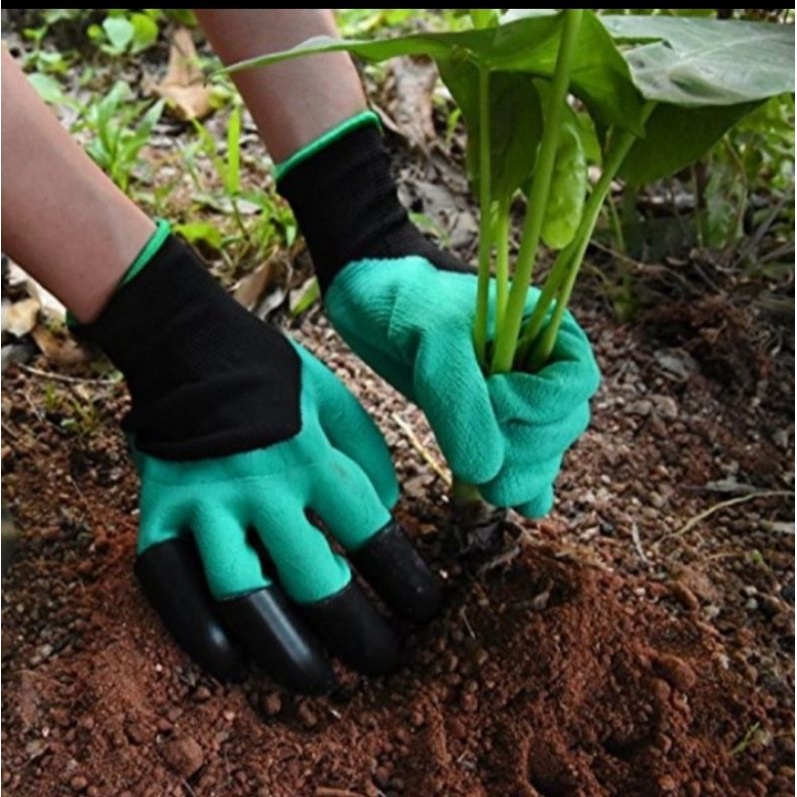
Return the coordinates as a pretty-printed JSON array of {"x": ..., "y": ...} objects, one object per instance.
[
  {"x": 617, "y": 227},
  {"x": 463, "y": 493},
  {"x": 507, "y": 334},
  {"x": 543, "y": 347},
  {"x": 502, "y": 261},
  {"x": 485, "y": 221},
  {"x": 550, "y": 287}
]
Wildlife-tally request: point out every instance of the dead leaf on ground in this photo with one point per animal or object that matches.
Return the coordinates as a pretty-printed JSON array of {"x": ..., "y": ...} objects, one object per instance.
[
  {"x": 265, "y": 289},
  {"x": 21, "y": 317},
  {"x": 184, "y": 86},
  {"x": 59, "y": 349},
  {"x": 413, "y": 84}
]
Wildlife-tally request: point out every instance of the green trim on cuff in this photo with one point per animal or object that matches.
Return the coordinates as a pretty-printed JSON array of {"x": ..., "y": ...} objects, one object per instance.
[
  {"x": 325, "y": 139},
  {"x": 148, "y": 251}
]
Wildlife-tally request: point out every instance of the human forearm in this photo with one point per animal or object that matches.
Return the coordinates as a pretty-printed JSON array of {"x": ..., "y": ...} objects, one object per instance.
[
  {"x": 294, "y": 102},
  {"x": 63, "y": 220}
]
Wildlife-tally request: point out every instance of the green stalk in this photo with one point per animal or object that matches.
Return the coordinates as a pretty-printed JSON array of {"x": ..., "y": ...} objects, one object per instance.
[
  {"x": 485, "y": 220},
  {"x": 550, "y": 287},
  {"x": 502, "y": 261},
  {"x": 544, "y": 346},
  {"x": 463, "y": 493},
  {"x": 507, "y": 334}
]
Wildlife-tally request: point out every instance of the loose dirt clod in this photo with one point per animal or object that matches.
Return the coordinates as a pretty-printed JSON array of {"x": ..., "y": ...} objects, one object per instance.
[{"x": 184, "y": 755}]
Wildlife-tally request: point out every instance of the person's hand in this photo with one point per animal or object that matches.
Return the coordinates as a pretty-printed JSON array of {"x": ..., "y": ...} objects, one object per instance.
[
  {"x": 407, "y": 309},
  {"x": 238, "y": 434}
]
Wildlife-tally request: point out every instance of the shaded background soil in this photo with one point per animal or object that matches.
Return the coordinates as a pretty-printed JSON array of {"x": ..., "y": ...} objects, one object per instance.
[{"x": 622, "y": 646}]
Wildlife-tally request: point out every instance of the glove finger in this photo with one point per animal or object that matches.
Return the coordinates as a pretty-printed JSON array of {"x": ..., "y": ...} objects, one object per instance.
[
  {"x": 379, "y": 548},
  {"x": 452, "y": 391},
  {"x": 569, "y": 379},
  {"x": 257, "y": 611},
  {"x": 352, "y": 431},
  {"x": 170, "y": 574},
  {"x": 329, "y": 599},
  {"x": 539, "y": 506},
  {"x": 527, "y": 444},
  {"x": 517, "y": 484}
]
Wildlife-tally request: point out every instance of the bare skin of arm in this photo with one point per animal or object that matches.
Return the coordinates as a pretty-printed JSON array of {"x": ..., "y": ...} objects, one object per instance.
[
  {"x": 73, "y": 230},
  {"x": 294, "y": 102},
  {"x": 63, "y": 220}
]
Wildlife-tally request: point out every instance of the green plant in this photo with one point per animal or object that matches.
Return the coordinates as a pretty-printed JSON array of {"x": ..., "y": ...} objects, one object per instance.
[
  {"x": 259, "y": 217},
  {"x": 658, "y": 105},
  {"x": 125, "y": 32},
  {"x": 543, "y": 93},
  {"x": 121, "y": 128}
]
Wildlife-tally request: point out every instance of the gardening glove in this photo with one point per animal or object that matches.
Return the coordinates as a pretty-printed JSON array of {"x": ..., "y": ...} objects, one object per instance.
[
  {"x": 238, "y": 433},
  {"x": 407, "y": 308}
]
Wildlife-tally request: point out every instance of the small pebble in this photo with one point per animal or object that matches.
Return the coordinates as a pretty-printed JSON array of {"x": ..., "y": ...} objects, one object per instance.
[
  {"x": 78, "y": 783},
  {"x": 677, "y": 672},
  {"x": 667, "y": 783},
  {"x": 184, "y": 755},
  {"x": 307, "y": 716},
  {"x": 272, "y": 704}
]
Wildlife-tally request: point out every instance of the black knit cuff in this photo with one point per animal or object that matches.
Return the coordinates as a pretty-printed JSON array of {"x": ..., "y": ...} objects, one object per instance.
[
  {"x": 207, "y": 379},
  {"x": 346, "y": 203}
]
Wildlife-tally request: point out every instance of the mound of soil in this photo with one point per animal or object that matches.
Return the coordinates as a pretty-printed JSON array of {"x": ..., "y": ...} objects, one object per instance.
[{"x": 606, "y": 656}]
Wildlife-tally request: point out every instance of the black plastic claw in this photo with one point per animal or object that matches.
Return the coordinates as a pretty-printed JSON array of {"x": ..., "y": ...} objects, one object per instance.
[
  {"x": 396, "y": 571},
  {"x": 352, "y": 628},
  {"x": 172, "y": 577},
  {"x": 279, "y": 640}
]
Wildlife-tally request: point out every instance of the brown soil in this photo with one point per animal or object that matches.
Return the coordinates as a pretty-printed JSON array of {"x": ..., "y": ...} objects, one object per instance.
[{"x": 614, "y": 654}]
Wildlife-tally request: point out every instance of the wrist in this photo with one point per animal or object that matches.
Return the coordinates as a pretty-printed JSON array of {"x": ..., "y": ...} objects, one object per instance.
[
  {"x": 206, "y": 378},
  {"x": 345, "y": 200}
]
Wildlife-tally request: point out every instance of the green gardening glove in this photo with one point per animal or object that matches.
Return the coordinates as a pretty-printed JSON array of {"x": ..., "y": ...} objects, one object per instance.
[
  {"x": 407, "y": 309},
  {"x": 238, "y": 434}
]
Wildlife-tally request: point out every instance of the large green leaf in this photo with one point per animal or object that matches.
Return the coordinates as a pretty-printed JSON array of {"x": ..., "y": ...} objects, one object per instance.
[
  {"x": 515, "y": 124},
  {"x": 699, "y": 62},
  {"x": 706, "y": 74},
  {"x": 599, "y": 75},
  {"x": 676, "y": 137}
]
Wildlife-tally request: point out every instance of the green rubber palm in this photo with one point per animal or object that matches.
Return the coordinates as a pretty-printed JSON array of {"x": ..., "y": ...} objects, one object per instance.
[
  {"x": 338, "y": 466},
  {"x": 412, "y": 322}
]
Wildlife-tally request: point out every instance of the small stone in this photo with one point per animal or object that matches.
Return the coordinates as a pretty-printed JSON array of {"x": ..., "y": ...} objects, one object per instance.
[
  {"x": 382, "y": 777},
  {"x": 666, "y": 407},
  {"x": 417, "y": 719},
  {"x": 202, "y": 694},
  {"x": 469, "y": 702},
  {"x": 403, "y": 736},
  {"x": 677, "y": 672},
  {"x": 184, "y": 755},
  {"x": 272, "y": 704},
  {"x": 661, "y": 691},
  {"x": 685, "y": 596},
  {"x": 693, "y": 789},
  {"x": 667, "y": 783},
  {"x": 307, "y": 716},
  {"x": 480, "y": 657},
  {"x": 78, "y": 783},
  {"x": 643, "y": 408},
  {"x": 137, "y": 733}
]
